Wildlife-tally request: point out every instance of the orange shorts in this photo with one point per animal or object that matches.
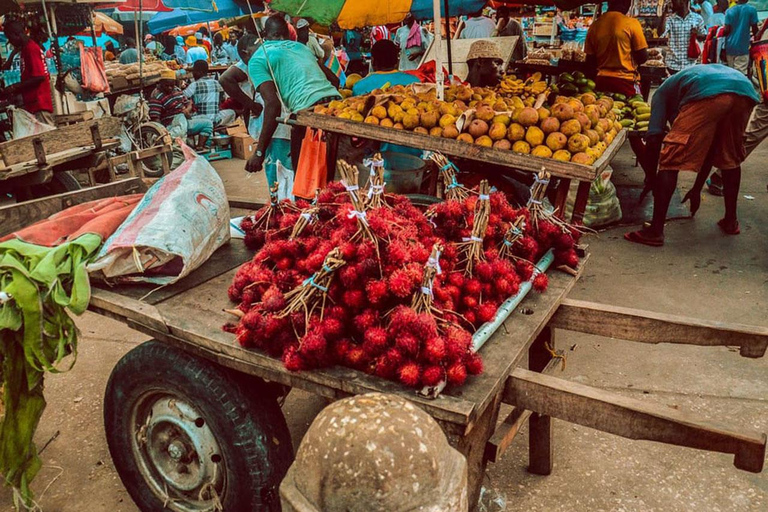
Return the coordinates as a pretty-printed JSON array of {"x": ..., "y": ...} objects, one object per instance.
[{"x": 710, "y": 129}]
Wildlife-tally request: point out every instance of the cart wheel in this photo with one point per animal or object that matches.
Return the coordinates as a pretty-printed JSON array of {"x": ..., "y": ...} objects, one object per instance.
[
  {"x": 185, "y": 436},
  {"x": 152, "y": 134}
]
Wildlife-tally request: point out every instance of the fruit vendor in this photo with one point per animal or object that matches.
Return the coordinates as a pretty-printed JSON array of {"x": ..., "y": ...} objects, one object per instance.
[
  {"x": 616, "y": 46},
  {"x": 205, "y": 93},
  {"x": 35, "y": 86},
  {"x": 384, "y": 59},
  {"x": 302, "y": 81},
  {"x": 709, "y": 107},
  {"x": 484, "y": 61},
  {"x": 169, "y": 106}
]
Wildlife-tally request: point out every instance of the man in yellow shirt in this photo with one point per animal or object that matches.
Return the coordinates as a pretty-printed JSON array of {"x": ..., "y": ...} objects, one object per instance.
[{"x": 616, "y": 46}]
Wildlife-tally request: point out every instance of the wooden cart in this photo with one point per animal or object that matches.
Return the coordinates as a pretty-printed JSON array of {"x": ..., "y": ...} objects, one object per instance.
[
  {"x": 202, "y": 368},
  {"x": 565, "y": 171}
]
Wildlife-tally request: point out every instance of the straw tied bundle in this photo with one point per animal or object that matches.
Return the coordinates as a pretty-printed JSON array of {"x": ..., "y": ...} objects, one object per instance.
[
  {"x": 511, "y": 238},
  {"x": 375, "y": 189},
  {"x": 472, "y": 248},
  {"x": 313, "y": 291},
  {"x": 453, "y": 189},
  {"x": 423, "y": 299},
  {"x": 349, "y": 177}
]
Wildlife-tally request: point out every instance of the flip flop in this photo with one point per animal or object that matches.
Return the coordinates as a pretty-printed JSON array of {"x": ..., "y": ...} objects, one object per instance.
[
  {"x": 694, "y": 197},
  {"x": 729, "y": 229},
  {"x": 639, "y": 237}
]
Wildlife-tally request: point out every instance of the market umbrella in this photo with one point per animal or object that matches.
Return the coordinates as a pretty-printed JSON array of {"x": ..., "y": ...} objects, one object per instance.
[
  {"x": 188, "y": 30},
  {"x": 164, "y": 21},
  {"x": 103, "y": 24},
  {"x": 137, "y": 5},
  {"x": 349, "y": 14}
]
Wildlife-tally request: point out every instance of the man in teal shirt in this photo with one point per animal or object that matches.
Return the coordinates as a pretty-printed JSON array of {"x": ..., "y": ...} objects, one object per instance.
[
  {"x": 708, "y": 106},
  {"x": 302, "y": 81},
  {"x": 385, "y": 58},
  {"x": 739, "y": 19}
]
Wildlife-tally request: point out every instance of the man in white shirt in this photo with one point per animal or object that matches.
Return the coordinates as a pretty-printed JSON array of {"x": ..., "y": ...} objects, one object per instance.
[
  {"x": 307, "y": 38},
  {"x": 478, "y": 26},
  {"x": 412, "y": 47}
]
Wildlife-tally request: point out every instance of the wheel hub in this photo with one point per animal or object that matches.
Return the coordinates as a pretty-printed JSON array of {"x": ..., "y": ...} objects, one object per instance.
[{"x": 178, "y": 454}]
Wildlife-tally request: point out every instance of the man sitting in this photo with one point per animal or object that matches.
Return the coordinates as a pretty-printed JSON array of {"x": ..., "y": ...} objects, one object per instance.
[
  {"x": 484, "y": 60},
  {"x": 205, "y": 93},
  {"x": 385, "y": 58},
  {"x": 168, "y": 106}
]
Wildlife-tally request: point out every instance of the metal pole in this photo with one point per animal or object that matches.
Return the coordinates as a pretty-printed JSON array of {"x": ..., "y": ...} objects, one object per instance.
[
  {"x": 448, "y": 38},
  {"x": 439, "y": 77}
]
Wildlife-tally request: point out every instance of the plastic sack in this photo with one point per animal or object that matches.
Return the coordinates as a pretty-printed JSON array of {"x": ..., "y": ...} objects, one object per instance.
[
  {"x": 312, "y": 171},
  {"x": 284, "y": 182},
  {"x": 491, "y": 501},
  {"x": 25, "y": 124},
  {"x": 603, "y": 206},
  {"x": 92, "y": 69},
  {"x": 177, "y": 226}
]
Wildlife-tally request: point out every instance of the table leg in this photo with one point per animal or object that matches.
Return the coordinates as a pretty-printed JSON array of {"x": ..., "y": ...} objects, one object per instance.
[
  {"x": 561, "y": 197},
  {"x": 332, "y": 145},
  {"x": 582, "y": 196},
  {"x": 540, "y": 445}
]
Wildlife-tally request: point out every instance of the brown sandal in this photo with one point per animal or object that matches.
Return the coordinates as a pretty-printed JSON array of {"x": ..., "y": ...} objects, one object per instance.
[
  {"x": 729, "y": 228},
  {"x": 639, "y": 237}
]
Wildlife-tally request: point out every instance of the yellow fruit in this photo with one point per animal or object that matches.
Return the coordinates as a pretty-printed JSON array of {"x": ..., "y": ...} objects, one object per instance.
[
  {"x": 477, "y": 128},
  {"x": 386, "y": 123},
  {"x": 543, "y": 113},
  {"x": 594, "y": 137},
  {"x": 515, "y": 132},
  {"x": 345, "y": 93},
  {"x": 465, "y": 137},
  {"x": 605, "y": 124},
  {"x": 450, "y": 131},
  {"x": 429, "y": 119},
  {"x": 484, "y": 113},
  {"x": 582, "y": 158},
  {"x": 379, "y": 112},
  {"x": 420, "y": 129},
  {"x": 447, "y": 120},
  {"x": 411, "y": 121},
  {"x": 497, "y": 131},
  {"x": 571, "y": 127},
  {"x": 542, "y": 151},
  {"x": 448, "y": 109},
  {"x": 528, "y": 116},
  {"x": 521, "y": 147},
  {"x": 398, "y": 126},
  {"x": 556, "y": 141},
  {"x": 464, "y": 94},
  {"x": 562, "y": 111},
  {"x": 562, "y": 154},
  {"x": 578, "y": 143},
  {"x": 576, "y": 105},
  {"x": 372, "y": 120},
  {"x": 584, "y": 121},
  {"x": 394, "y": 110},
  {"x": 503, "y": 119},
  {"x": 593, "y": 113},
  {"x": 534, "y": 136},
  {"x": 436, "y": 131},
  {"x": 413, "y": 111},
  {"x": 352, "y": 80},
  {"x": 549, "y": 125},
  {"x": 517, "y": 103},
  {"x": 484, "y": 141},
  {"x": 357, "y": 117},
  {"x": 502, "y": 144},
  {"x": 345, "y": 115},
  {"x": 588, "y": 98},
  {"x": 500, "y": 105},
  {"x": 335, "y": 104}
]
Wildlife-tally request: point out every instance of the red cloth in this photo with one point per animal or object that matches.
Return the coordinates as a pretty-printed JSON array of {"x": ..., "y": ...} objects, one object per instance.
[
  {"x": 33, "y": 65},
  {"x": 618, "y": 85},
  {"x": 207, "y": 46},
  {"x": 101, "y": 217},
  {"x": 426, "y": 73}
]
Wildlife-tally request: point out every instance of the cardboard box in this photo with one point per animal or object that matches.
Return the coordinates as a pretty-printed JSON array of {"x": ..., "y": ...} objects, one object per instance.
[
  {"x": 237, "y": 127},
  {"x": 243, "y": 145}
]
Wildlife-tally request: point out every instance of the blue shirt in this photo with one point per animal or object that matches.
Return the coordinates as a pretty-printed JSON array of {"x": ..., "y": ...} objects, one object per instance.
[
  {"x": 297, "y": 74},
  {"x": 693, "y": 84},
  {"x": 196, "y": 53},
  {"x": 379, "y": 79},
  {"x": 740, "y": 17}
]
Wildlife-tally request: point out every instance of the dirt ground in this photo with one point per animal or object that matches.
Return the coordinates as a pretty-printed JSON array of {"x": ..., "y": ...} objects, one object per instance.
[{"x": 699, "y": 273}]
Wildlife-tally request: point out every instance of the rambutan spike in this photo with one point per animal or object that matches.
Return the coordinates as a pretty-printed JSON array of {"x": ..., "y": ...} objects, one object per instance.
[
  {"x": 375, "y": 188},
  {"x": 472, "y": 247},
  {"x": 306, "y": 218},
  {"x": 313, "y": 291},
  {"x": 512, "y": 237},
  {"x": 423, "y": 298},
  {"x": 453, "y": 189}
]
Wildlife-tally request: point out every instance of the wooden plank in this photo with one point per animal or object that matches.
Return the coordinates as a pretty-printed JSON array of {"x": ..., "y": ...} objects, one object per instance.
[
  {"x": 244, "y": 203},
  {"x": 226, "y": 257},
  {"x": 509, "y": 344},
  {"x": 52, "y": 160},
  {"x": 454, "y": 147},
  {"x": 648, "y": 327},
  {"x": 580, "y": 204},
  {"x": 66, "y": 137},
  {"x": 127, "y": 308},
  {"x": 63, "y": 119},
  {"x": 630, "y": 418},
  {"x": 16, "y": 216},
  {"x": 540, "y": 443}
]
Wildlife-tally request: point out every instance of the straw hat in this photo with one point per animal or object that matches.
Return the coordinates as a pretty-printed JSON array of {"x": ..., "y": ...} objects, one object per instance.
[
  {"x": 191, "y": 41},
  {"x": 484, "y": 50},
  {"x": 168, "y": 74}
]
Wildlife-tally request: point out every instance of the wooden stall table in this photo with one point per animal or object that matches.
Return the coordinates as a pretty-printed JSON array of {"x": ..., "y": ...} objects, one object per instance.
[{"x": 565, "y": 171}]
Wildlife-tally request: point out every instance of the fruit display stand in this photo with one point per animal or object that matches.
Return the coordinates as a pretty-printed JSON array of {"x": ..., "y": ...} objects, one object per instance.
[
  {"x": 566, "y": 171},
  {"x": 209, "y": 392}
]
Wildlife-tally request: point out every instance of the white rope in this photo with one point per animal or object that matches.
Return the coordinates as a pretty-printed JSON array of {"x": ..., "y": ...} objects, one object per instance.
[{"x": 472, "y": 239}]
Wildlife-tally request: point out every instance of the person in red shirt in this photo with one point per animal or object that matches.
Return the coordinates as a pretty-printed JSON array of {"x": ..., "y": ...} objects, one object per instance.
[{"x": 35, "y": 85}]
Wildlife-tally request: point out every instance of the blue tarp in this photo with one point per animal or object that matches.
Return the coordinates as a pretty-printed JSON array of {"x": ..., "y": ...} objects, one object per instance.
[{"x": 164, "y": 21}]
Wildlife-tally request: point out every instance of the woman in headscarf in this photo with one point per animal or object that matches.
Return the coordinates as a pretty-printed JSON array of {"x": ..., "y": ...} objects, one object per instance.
[{"x": 179, "y": 51}]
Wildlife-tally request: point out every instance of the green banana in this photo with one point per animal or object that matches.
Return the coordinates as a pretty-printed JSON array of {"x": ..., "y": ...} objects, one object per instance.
[
  {"x": 627, "y": 123},
  {"x": 643, "y": 117},
  {"x": 642, "y": 124},
  {"x": 643, "y": 110}
]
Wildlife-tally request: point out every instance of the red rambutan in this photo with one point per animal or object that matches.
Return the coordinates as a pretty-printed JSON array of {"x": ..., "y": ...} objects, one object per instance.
[
  {"x": 457, "y": 342},
  {"x": 312, "y": 344},
  {"x": 253, "y": 320},
  {"x": 292, "y": 360},
  {"x": 484, "y": 271},
  {"x": 332, "y": 328},
  {"x": 273, "y": 299},
  {"x": 474, "y": 363},
  {"x": 540, "y": 282},
  {"x": 409, "y": 374},
  {"x": 486, "y": 312},
  {"x": 469, "y": 302},
  {"x": 456, "y": 279},
  {"x": 408, "y": 343},
  {"x": 356, "y": 357},
  {"x": 375, "y": 341},
  {"x": 470, "y": 317},
  {"x": 457, "y": 374},
  {"x": 400, "y": 284},
  {"x": 432, "y": 375},
  {"x": 434, "y": 349},
  {"x": 472, "y": 287},
  {"x": 366, "y": 320},
  {"x": 524, "y": 269},
  {"x": 376, "y": 292},
  {"x": 354, "y": 299}
]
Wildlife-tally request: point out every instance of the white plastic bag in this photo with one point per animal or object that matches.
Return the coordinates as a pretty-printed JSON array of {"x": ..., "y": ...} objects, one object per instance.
[
  {"x": 25, "y": 124},
  {"x": 284, "y": 182},
  {"x": 177, "y": 226}
]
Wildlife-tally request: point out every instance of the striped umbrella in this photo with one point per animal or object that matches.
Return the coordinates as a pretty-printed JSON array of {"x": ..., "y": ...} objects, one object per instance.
[{"x": 349, "y": 14}]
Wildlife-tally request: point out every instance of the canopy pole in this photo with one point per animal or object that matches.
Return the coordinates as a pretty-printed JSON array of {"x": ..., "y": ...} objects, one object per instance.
[
  {"x": 439, "y": 78},
  {"x": 448, "y": 39},
  {"x": 93, "y": 30}
]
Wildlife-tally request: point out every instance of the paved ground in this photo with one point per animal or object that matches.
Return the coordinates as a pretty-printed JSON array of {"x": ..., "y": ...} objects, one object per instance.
[{"x": 699, "y": 273}]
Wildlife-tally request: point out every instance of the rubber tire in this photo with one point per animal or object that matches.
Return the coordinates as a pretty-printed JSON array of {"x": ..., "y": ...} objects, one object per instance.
[
  {"x": 64, "y": 181},
  {"x": 245, "y": 418},
  {"x": 153, "y": 166}
]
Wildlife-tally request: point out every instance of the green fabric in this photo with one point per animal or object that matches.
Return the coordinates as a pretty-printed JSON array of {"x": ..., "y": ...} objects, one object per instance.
[
  {"x": 36, "y": 334},
  {"x": 324, "y": 12}
]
